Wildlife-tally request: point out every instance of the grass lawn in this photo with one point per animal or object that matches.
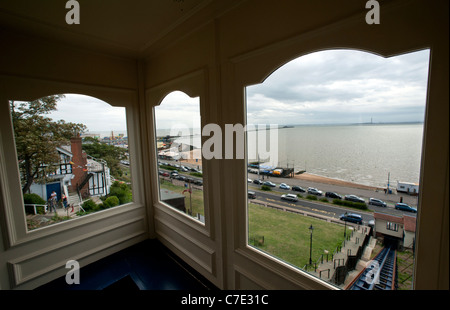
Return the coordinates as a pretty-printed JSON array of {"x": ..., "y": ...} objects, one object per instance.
[
  {"x": 286, "y": 235},
  {"x": 195, "y": 199}
]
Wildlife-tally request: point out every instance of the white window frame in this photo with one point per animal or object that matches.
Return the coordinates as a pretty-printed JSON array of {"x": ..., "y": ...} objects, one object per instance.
[
  {"x": 193, "y": 85},
  {"x": 12, "y": 212}
]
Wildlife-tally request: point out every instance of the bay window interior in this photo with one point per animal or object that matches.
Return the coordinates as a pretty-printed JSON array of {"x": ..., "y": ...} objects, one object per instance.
[{"x": 313, "y": 80}]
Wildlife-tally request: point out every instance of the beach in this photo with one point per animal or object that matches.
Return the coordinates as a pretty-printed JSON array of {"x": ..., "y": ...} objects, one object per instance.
[{"x": 325, "y": 180}]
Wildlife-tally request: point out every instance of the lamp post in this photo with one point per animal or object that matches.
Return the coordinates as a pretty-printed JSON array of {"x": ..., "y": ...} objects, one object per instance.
[
  {"x": 345, "y": 230},
  {"x": 311, "y": 228}
]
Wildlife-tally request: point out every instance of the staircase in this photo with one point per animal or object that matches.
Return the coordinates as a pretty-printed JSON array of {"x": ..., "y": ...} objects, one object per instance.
[{"x": 74, "y": 199}]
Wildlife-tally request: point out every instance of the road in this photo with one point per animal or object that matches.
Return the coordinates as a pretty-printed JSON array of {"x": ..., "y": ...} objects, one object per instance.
[
  {"x": 321, "y": 208},
  {"x": 331, "y": 210}
]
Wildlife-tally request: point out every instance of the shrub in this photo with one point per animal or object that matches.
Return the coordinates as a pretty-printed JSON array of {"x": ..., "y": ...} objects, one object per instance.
[
  {"x": 311, "y": 197},
  {"x": 168, "y": 167},
  {"x": 350, "y": 204},
  {"x": 197, "y": 174},
  {"x": 111, "y": 201},
  {"x": 33, "y": 199},
  {"x": 265, "y": 188},
  {"x": 121, "y": 191},
  {"x": 89, "y": 206}
]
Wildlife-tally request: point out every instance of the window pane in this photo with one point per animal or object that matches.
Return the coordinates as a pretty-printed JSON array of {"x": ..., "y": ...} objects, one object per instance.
[
  {"x": 73, "y": 157},
  {"x": 178, "y": 135},
  {"x": 345, "y": 127}
]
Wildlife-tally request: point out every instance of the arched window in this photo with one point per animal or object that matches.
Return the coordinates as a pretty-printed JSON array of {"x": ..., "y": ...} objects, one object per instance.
[
  {"x": 73, "y": 157},
  {"x": 178, "y": 136},
  {"x": 349, "y": 127}
]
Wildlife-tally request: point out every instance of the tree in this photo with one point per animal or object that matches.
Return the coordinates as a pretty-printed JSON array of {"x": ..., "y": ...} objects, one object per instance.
[
  {"x": 110, "y": 153},
  {"x": 37, "y": 137}
]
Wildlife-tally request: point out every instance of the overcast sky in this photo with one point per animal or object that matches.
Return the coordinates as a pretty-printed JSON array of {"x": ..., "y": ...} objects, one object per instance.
[
  {"x": 342, "y": 87},
  {"x": 320, "y": 88}
]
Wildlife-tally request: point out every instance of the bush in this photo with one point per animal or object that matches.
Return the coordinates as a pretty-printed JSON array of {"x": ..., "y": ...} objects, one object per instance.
[
  {"x": 350, "y": 204},
  {"x": 121, "y": 191},
  {"x": 111, "y": 201},
  {"x": 89, "y": 206},
  {"x": 33, "y": 199},
  {"x": 311, "y": 197},
  {"x": 265, "y": 188},
  {"x": 197, "y": 174}
]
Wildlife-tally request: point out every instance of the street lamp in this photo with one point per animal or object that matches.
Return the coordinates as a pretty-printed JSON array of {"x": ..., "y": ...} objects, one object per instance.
[{"x": 311, "y": 228}]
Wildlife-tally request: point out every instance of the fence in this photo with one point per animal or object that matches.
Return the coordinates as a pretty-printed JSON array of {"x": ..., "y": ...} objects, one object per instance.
[{"x": 34, "y": 207}]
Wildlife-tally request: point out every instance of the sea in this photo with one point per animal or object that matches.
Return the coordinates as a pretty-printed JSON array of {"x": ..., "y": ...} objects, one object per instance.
[{"x": 369, "y": 154}]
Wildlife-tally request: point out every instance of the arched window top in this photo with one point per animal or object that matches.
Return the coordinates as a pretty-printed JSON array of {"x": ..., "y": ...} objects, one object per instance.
[{"x": 333, "y": 79}]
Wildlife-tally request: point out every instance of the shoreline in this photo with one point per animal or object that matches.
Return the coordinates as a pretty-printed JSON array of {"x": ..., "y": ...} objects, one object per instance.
[
  {"x": 326, "y": 180},
  {"x": 305, "y": 176}
]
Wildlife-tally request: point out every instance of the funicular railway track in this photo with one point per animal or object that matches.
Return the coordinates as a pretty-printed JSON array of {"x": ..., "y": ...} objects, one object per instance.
[{"x": 380, "y": 274}]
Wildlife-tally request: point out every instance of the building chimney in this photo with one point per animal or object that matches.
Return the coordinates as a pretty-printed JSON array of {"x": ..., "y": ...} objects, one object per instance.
[{"x": 79, "y": 167}]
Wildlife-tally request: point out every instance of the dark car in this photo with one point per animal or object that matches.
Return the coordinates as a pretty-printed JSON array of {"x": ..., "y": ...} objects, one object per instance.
[
  {"x": 259, "y": 182},
  {"x": 333, "y": 195},
  {"x": 298, "y": 189},
  {"x": 377, "y": 202},
  {"x": 351, "y": 217},
  {"x": 251, "y": 195},
  {"x": 405, "y": 207},
  {"x": 354, "y": 198}
]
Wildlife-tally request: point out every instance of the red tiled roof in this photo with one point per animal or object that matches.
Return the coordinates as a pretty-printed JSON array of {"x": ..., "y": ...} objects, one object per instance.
[{"x": 388, "y": 217}]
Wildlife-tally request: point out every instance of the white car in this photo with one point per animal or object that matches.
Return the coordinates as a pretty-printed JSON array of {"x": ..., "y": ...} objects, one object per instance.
[
  {"x": 314, "y": 191},
  {"x": 290, "y": 197},
  {"x": 284, "y": 186}
]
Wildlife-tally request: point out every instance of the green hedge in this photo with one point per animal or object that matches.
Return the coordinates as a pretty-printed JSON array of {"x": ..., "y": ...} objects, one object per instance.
[
  {"x": 351, "y": 204},
  {"x": 33, "y": 199}
]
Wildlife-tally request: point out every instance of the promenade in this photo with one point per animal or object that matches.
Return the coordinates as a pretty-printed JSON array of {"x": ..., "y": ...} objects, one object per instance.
[{"x": 343, "y": 188}]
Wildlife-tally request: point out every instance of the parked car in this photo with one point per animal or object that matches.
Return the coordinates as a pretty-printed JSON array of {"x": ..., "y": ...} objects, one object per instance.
[
  {"x": 314, "y": 191},
  {"x": 290, "y": 197},
  {"x": 259, "y": 182},
  {"x": 351, "y": 217},
  {"x": 249, "y": 181},
  {"x": 271, "y": 184},
  {"x": 298, "y": 189},
  {"x": 251, "y": 195},
  {"x": 354, "y": 198},
  {"x": 180, "y": 177},
  {"x": 377, "y": 202},
  {"x": 284, "y": 186},
  {"x": 333, "y": 195},
  {"x": 405, "y": 207}
]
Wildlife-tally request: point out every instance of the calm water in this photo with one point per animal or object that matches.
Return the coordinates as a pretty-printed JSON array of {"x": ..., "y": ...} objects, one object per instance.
[{"x": 364, "y": 154}]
